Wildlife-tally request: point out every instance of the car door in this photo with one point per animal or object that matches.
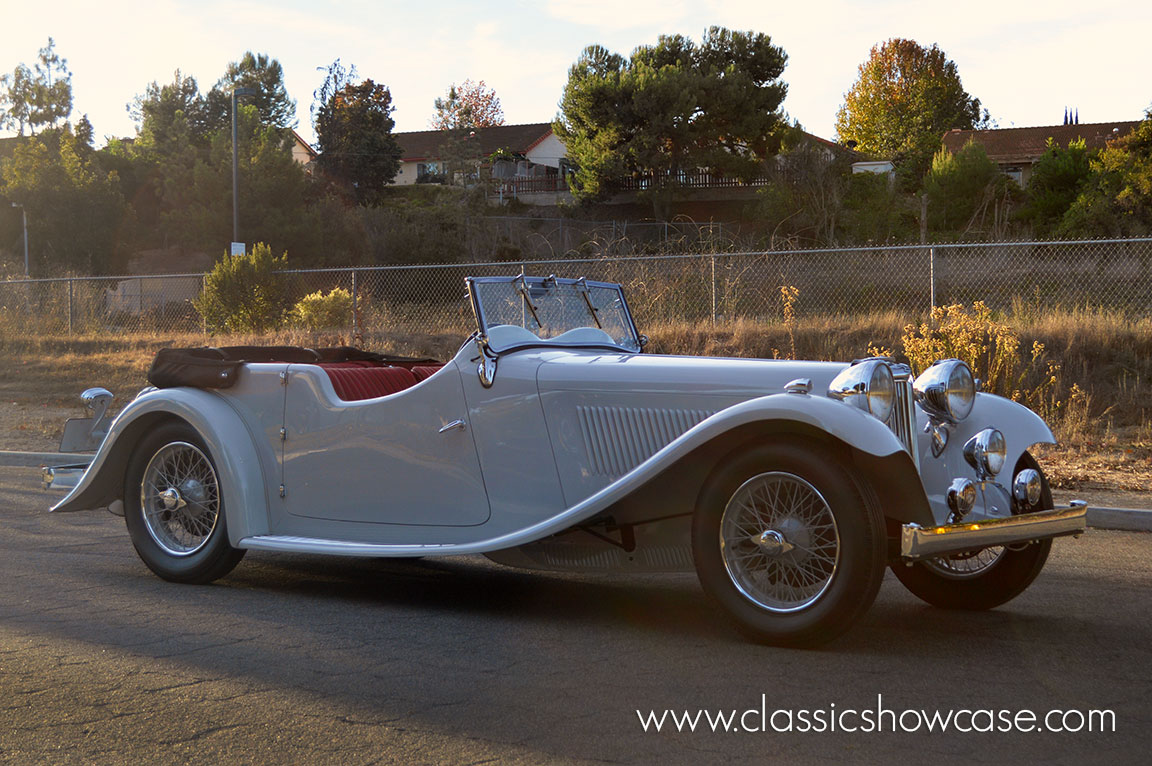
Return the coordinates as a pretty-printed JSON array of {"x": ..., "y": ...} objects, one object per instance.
[{"x": 407, "y": 458}]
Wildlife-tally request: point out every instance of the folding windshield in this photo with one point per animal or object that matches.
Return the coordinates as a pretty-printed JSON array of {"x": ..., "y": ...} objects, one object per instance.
[{"x": 555, "y": 311}]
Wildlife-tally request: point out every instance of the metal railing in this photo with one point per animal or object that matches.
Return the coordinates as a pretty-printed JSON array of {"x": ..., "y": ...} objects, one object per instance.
[{"x": 711, "y": 287}]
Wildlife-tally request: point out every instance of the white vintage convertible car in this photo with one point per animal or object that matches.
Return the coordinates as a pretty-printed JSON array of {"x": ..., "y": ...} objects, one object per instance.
[{"x": 550, "y": 441}]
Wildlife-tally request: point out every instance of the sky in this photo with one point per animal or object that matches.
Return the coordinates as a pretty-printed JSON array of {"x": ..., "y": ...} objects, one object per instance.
[{"x": 1025, "y": 61}]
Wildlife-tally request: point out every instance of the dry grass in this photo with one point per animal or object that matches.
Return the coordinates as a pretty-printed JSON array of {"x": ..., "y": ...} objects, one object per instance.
[{"x": 1100, "y": 407}]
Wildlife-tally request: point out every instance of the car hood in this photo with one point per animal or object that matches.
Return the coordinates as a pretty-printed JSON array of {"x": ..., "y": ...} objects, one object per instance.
[{"x": 653, "y": 373}]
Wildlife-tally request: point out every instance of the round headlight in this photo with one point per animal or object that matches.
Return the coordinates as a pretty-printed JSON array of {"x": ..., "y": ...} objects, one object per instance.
[
  {"x": 985, "y": 452},
  {"x": 946, "y": 390},
  {"x": 868, "y": 385}
]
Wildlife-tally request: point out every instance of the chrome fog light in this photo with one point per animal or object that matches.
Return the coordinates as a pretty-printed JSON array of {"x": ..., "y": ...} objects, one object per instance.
[
  {"x": 868, "y": 385},
  {"x": 961, "y": 497},
  {"x": 1027, "y": 487},
  {"x": 986, "y": 452},
  {"x": 946, "y": 390}
]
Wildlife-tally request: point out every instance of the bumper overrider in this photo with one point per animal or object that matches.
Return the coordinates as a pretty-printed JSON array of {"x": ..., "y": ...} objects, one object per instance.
[{"x": 917, "y": 542}]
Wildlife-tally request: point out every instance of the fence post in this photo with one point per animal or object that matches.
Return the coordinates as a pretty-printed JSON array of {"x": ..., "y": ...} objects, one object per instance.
[
  {"x": 932, "y": 275},
  {"x": 355, "y": 311},
  {"x": 713, "y": 289},
  {"x": 69, "y": 305}
]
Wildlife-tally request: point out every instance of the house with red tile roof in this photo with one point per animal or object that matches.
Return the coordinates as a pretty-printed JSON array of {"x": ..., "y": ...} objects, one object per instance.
[
  {"x": 424, "y": 152},
  {"x": 1016, "y": 150}
]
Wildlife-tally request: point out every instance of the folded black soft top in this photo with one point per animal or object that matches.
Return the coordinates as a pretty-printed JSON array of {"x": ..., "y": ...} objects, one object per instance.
[{"x": 211, "y": 367}]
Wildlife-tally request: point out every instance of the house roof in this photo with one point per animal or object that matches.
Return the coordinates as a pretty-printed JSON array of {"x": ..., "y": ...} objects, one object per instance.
[
  {"x": 834, "y": 147},
  {"x": 426, "y": 144},
  {"x": 304, "y": 144},
  {"x": 1008, "y": 145}
]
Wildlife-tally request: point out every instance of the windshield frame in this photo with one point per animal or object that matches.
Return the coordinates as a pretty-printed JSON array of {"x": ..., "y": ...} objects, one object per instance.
[{"x": 530, "y": 282}]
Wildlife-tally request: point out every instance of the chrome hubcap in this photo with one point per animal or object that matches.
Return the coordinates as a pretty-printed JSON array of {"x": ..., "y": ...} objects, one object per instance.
[
  {"x": 772, "y": 543},
  {"x": 779, "y": 542},
  {"x": 180, "y": 498}
]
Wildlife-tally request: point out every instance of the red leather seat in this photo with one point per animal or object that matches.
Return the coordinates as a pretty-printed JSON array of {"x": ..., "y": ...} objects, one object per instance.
[
  {"x": 355, "y": 383},
  {"x": 423, "y": 372}
]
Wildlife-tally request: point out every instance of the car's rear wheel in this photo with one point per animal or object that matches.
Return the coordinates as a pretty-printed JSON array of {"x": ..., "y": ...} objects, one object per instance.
[
  {"x": 174, "y": 507},
  {"x": 980, "y": 579},
  {"x": 788, "y": 545}
]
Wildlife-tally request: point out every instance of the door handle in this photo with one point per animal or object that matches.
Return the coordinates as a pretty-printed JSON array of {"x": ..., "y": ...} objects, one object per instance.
[{"x": 455, "y": 424}]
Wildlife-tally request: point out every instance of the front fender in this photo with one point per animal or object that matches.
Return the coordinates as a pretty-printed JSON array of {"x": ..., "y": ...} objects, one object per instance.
[
  {"x": 1021, "y": 426},
  {"x": 847, "y": 424},
  {"x": 229, "y": 441}
]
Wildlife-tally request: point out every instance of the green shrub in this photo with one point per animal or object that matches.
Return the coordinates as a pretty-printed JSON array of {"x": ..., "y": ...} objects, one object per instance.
[
  {"x": 317, "y": 311},
  {"x": 243, "y": 294}
]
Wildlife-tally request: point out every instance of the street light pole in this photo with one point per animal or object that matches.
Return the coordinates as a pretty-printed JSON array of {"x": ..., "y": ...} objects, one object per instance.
[
  {"x": 24, "y": 219},
  {"x": 235, "y": 164}
]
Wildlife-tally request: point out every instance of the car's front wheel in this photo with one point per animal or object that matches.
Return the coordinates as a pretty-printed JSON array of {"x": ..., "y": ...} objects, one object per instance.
[
  {"x": 980, "y": 579},
  {"x": 174, "y": 507},
  {"x": 788, "y": 545}
]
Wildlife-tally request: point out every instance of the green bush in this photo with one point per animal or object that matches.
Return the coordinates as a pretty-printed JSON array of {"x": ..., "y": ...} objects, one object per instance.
[
  {"x": 317, "y": 311},
  {"x": 243, "y": 294}
]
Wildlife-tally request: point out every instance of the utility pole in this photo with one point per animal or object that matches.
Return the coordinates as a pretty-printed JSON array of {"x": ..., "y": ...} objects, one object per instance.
[
  {"x": 24, "y": 219},
  {"x": 235, "y": 165}
]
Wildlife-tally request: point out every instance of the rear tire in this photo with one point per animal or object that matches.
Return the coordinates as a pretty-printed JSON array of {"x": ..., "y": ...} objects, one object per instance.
[
  {"x": 787, "y": 544},
  {"x": 174, "y": 507}
]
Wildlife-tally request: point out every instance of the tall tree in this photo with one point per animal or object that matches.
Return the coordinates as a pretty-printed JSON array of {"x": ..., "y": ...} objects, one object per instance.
[
  {"x": 75, "y": 209},
  {"x": 53, "y": 89},
  {"x": 672, "y": 108},
  {"x": 967, "y": 193},
  {"x": 17, "y": 91},
  {"x": 159, "y": 106},
  {"x": 1115, "y": 200},
  {"x": 1056, "y": 180},
  {"x": 37, "y": 97},
  {"x": 467, "y": 105},
  {"x": 904, "y": 99},
  {"x": 266, "y": 76},
  {"x": 354, "y": 137}
]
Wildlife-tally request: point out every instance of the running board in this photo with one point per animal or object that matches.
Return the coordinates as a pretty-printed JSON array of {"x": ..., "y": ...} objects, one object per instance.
[{"x": 288, "y": 544}]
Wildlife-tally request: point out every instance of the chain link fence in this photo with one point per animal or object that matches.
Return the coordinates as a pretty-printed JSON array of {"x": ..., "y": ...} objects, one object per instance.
[{"x": 1033, "y": 276}]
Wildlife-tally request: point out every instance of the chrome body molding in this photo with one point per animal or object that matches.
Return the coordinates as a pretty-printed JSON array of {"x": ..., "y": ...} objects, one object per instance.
[
  {"x": 918, "y": 542},
  {"x": 571, "y": 427}
]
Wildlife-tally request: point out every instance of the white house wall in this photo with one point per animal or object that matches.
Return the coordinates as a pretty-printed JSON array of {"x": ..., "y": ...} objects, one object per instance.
[{"x": 548, "y": 152}]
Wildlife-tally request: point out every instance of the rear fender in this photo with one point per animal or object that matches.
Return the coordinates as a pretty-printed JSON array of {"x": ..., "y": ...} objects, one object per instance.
[{"x": 234, "y": 450}]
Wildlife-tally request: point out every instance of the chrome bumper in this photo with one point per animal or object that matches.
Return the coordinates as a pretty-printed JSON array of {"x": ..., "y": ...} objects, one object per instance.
[
  {"x": 917, "y": 542},
  {"x": 62, "y": 476}
]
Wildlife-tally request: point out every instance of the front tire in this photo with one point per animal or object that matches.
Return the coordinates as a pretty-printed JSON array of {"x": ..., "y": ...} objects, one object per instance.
[
  {"x": 174, "y": 507},
  {"x": 981, "y": 579},
  {"x": 788, "y": 545}
]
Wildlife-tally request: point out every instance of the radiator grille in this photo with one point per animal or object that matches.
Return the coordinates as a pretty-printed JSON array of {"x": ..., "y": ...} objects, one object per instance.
[
  {"x": 617, "y": 439},
  {"x": 902, "y": 421}
]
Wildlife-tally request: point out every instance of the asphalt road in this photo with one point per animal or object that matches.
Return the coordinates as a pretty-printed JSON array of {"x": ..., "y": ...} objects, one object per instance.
[{"x": 298, "y": 659}]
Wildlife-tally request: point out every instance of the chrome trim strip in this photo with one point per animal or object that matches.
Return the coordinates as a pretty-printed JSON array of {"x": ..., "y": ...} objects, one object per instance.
[
  {"x": 287, "y": 543},
  {"x": 918, "y": 542},
  {"x": 902, "y": 421}
]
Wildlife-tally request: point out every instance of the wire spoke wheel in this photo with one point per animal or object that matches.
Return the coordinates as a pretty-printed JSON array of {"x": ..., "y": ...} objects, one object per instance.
[
  {"x": 964, "y": 565},
  {"x": 779, "y": 541},
  {"x": 180, "y": 498}
]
